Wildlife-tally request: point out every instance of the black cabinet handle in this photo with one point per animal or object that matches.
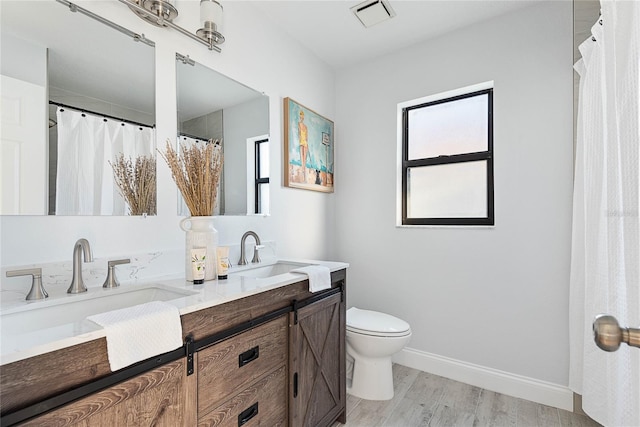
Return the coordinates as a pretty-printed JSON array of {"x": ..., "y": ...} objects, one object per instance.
[
  {"x": 295, "y": 385},
  {"x": 247, "y": 414},
  {"x": 248, "y": 356}
]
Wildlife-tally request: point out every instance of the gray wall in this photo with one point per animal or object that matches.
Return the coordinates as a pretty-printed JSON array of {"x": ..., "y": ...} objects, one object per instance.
[
  {"x": 233, "y": 127},
  {"x": 242, "y": 121},
  {"x": 29, "y": 61},
  {"x": 492, "y": 296}
]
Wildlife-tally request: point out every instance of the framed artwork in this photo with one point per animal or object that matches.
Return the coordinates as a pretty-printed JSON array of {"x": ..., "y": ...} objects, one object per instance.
[{"x": 308, "y": 148}]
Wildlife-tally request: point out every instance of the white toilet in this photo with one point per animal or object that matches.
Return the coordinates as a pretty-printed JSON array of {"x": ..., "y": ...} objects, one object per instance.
[{"x": 372, "y": 338}]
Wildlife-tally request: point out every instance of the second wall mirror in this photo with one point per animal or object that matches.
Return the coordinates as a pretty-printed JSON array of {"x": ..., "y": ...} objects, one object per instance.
[{"x": 213, "y": 106}]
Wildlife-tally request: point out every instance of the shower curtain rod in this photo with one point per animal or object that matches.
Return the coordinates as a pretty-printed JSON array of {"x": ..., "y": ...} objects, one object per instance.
[
  {"x": 197, "y": 137},
  {"x": 193, "y": 136},
  {"x": 82, "y": 110}
]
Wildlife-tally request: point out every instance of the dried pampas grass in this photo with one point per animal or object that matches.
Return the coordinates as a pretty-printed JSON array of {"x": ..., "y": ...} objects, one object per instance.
[
  {"x": 136, "y": 182},
  {"x": 196, "y": 171}
]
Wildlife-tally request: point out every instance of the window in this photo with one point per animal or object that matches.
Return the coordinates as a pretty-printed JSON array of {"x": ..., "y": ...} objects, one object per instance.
[
  {"x": 261, "y": 202},
  {"x": 446, "y": 162}
]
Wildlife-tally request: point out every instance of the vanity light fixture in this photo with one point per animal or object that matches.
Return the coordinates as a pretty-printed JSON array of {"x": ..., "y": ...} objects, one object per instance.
[
  {"x": 211, "y": 17},
  {"x": 155, "y": 9},
  {"x": 161, "y": 13}
]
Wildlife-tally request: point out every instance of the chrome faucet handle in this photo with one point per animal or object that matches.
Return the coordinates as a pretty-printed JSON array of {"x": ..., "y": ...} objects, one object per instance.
[
  {"x": 37, "y": 290},
  {"x": 112, "y": 280},
  {"x": 256, "y": 254}
]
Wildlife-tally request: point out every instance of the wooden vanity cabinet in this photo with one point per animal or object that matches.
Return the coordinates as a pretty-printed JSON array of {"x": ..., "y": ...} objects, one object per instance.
[
  {"x": 286, "y": 368},
  {"x": 164, "y": 396},
  {"x": 317, "y": 349},
  {"x": 244, "y": 378}
]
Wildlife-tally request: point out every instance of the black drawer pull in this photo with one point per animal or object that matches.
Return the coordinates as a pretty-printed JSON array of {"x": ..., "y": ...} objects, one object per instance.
[
  {"x": 248, "y": 356},
  {"x": 247, "y": 414},
  {"x": 295, "y": 385}
]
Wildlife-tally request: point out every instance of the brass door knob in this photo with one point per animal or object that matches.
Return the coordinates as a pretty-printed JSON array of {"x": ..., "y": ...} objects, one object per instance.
[{"x": 608, "y": 334}]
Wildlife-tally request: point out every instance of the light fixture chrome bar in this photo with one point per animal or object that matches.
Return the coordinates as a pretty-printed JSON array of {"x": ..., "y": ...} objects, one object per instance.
[
  {"x": 211, "y": 46},
  {"x": 135, "y": 36},
  {"x": 163, "y": 22}
]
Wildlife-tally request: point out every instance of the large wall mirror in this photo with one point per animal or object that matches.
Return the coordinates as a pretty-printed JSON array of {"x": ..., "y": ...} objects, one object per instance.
[
  {"x": 213, "y": 106},
  {"x": 78, "y": 108}
]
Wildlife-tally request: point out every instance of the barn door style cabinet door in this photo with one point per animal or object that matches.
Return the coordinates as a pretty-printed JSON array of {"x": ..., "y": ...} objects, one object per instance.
[{"x": 317, "y": 363}]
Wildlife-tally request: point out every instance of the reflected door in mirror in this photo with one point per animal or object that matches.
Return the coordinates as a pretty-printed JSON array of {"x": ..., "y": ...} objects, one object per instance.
[{"x": 23, "y": 151}]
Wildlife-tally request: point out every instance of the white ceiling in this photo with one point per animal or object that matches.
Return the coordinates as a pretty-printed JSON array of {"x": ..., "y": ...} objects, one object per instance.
[
  {"x": 330, "y": 30},
  {"x": 326, "y": 27}
]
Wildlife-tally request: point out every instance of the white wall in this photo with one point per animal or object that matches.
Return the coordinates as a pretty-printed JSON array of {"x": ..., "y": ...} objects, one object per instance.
[
  {"x": 272, "y": 63},
  {"x": 493, "y": 297}
]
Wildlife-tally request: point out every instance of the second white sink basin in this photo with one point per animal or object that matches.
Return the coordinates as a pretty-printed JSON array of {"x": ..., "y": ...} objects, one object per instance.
[
  {"x": 75, "y": 308},
  {"x": 280, "y": 267}
]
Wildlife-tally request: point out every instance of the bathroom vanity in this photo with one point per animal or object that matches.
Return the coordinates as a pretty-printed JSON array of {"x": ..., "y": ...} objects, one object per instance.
[{"x": 257, "y": 351}]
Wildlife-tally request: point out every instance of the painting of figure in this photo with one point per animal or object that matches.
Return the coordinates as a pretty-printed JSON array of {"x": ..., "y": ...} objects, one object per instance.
[{"x": 308, "y": 148}]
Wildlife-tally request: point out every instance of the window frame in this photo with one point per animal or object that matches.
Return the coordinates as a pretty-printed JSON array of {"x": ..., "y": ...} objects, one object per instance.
[
  {"x": 258, "y": 181},
  {"x": 487, "y": 155}
]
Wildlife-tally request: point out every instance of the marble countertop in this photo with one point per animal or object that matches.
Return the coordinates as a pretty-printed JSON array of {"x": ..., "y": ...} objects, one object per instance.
[{"x": 27, "y": 342}]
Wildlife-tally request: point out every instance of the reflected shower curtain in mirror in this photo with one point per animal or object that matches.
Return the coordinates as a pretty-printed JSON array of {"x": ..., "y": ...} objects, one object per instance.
[
  {"x": 605, "y": 260},
  {"x": 86, "y": 144}
]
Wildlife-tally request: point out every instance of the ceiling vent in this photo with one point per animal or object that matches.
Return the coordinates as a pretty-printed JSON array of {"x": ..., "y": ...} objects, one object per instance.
[{"x": 373, "y": 12}]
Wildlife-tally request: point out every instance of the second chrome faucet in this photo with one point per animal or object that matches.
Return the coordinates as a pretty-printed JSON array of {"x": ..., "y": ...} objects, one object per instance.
[
  {"x": 256, "y": 255},
  {"x": 77, "y": 284}
]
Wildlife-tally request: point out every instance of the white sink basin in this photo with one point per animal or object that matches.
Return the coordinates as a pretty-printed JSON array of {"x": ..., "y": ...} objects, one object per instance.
[
  {"x": 75, "y": 308},
  {"x": 280, "y": 267}
]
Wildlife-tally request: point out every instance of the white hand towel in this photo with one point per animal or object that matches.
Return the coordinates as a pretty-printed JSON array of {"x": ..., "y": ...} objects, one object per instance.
[
  {"x": 140, "y": 332},
  {"x": 319, "y": 276}
]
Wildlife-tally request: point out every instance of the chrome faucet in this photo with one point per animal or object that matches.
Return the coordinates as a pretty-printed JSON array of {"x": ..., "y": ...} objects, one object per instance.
[
  {"x": 77, "y": 284},
  {"x": 256, "y": 255}
]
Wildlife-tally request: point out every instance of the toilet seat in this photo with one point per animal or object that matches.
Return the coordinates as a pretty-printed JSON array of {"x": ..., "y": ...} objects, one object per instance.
[{"x": 368, "y": 322}]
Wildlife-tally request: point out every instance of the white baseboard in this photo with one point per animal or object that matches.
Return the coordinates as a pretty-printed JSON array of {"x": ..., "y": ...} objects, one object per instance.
[{"x": 488, "y": 378}]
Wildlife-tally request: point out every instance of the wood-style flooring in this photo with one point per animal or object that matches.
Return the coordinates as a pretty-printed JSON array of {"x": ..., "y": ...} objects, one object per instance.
[{"x": 423, "y": 399}]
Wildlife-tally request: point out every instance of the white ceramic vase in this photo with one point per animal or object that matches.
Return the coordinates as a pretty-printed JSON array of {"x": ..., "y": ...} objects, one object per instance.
[{"x": 200, "y": 233}]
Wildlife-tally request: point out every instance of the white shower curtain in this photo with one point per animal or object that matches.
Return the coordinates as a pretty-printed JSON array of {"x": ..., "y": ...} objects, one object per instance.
[
  {"x": 86, "y": 143},
  {"x": 605, "y": 259}
]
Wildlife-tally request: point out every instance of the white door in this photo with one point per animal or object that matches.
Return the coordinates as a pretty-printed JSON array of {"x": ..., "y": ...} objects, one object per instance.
[{"x": 23, "y": 148}]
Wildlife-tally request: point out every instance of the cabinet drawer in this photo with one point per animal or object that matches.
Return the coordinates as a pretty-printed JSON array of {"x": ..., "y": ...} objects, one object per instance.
[
  {"x": 263, "y": 403},
  {"x": 230, "y": 366}
]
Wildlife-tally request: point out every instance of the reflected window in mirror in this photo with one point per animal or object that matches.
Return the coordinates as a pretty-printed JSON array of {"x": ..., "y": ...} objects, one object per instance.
[
  {"x": 261, "y": 177},
  {"x": 213, "y": 106},
  {"x": 110, "y": 80}
]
